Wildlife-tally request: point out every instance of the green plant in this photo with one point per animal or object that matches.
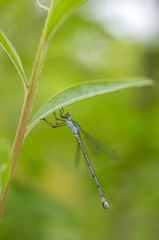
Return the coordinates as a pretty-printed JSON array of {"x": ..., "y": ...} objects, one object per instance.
[{"x": 58, "y": 12}]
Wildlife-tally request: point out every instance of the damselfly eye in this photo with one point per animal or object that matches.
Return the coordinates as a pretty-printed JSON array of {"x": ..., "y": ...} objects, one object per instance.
[{"x": 69, "y": 114}]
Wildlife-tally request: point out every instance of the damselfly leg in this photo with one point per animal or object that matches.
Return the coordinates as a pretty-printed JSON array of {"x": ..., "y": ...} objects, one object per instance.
[{"x": 57, "y": 124}]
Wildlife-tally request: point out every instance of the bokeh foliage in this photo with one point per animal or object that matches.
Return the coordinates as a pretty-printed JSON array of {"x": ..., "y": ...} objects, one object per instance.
[{"x": 49, "y": 198}]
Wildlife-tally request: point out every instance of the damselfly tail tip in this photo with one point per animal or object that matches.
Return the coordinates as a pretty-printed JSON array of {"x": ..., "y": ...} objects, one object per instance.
[{"x": 105, "y": 203}]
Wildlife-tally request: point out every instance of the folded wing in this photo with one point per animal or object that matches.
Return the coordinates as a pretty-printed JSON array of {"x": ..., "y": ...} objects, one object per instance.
[{"x": 96, "y": 146}]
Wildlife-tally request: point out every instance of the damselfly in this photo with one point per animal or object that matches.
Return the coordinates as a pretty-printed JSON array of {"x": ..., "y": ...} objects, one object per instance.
[{"x": 66, "y": 120}]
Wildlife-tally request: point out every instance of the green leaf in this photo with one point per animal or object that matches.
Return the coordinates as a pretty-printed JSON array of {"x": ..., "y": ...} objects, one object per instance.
[
  {"x": 83, "y": 91},
  {"x": 12, "y": 53},
  {"x": 5, "y": 163},
  {"x": 59, "y": 12}
]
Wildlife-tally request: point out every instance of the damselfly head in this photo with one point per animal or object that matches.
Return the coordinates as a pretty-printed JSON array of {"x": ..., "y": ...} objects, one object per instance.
[{"x": 67, "y": 115}]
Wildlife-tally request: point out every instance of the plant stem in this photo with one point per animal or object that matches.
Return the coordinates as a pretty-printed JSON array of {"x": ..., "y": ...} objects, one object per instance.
[{"x": 20, "y": 134}]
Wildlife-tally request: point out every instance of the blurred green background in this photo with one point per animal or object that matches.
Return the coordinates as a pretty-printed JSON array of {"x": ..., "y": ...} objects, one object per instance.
[{"x": 49, "y": 198}]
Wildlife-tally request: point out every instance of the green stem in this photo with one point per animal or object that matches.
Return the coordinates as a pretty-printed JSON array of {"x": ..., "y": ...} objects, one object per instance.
[{"x": 20, "y": 134}]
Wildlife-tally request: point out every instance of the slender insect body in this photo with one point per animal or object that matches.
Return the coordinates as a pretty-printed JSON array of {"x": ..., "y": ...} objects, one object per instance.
[
  {"x": 104, "y": 201},
  {"x": 76, "y": 129}
]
